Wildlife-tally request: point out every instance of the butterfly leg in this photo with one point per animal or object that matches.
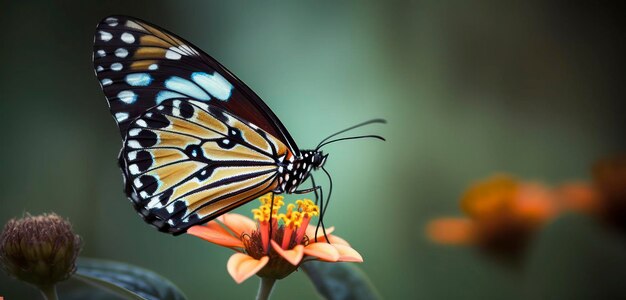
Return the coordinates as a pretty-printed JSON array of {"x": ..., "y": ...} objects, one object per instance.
[
  {"x": 306, "y": 191},
  {"x": 269, "y": 242},
  {"x": 318, "y": 199}
]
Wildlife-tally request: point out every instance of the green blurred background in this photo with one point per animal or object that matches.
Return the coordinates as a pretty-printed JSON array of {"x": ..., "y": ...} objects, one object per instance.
[{"x": 526, "y": 87}]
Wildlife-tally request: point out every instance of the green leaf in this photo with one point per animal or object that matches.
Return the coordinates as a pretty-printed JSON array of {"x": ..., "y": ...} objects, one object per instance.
[
  {"x": 127, "y": 281},
  {"x": 75, "y": 289},
  {"x": 337, "y": 281}
]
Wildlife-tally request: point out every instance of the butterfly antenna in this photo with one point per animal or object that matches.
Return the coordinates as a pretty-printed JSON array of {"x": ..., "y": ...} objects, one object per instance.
[
  {"x": 352, "y": 138},
  {"x": 372, "y": 121}
]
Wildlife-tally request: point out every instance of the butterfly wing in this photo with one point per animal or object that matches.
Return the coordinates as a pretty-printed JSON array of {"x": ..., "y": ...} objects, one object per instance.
[
  {"x": 140, "y": 65},
  {"x": 186, "y": 162}
]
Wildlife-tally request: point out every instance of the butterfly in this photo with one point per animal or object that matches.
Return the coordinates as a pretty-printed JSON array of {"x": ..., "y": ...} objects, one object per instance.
[{"x": 197, "y": 142}]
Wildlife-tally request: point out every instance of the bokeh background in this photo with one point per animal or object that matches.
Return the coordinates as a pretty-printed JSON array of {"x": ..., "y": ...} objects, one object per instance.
[{"x": 469, "y": 89}]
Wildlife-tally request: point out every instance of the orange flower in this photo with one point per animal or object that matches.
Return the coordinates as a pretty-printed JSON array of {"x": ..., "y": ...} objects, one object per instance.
[
  {"x": 605, "y": 196},
  {"x": 451, "y": 231},
  {"x": 579, "y": 197},
  {"x": 274, "y": 250},
  {"x": 502, "y": 214}
]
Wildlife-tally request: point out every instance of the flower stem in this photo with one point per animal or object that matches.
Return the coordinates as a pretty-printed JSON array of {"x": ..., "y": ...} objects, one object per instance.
[
  {"x": 265, "y": 288},
  {"x": 49, "y": 292}
]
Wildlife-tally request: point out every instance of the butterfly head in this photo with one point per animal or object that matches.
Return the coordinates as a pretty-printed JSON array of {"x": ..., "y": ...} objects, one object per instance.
[
  {"x": 315, "y": 159},
  {"x": 319, "y": 159}
]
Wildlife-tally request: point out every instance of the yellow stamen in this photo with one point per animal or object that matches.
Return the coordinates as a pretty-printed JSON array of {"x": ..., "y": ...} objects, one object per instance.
[
  {"x": 295, "y": 219},
  {"x": 292, "y": 218},
  {"x": 308, "y": 208},
  {"x": 267, "y": 200}
]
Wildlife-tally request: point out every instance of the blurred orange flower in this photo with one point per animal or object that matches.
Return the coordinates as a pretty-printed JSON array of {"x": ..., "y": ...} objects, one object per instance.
[
  {"x": 579, "y": 196},
  {"x": 291, "y": 238},
  {"x": 604, "y": 197},
  {"x": 502, "y": 213},
  {"x": 452, "y": 231}
]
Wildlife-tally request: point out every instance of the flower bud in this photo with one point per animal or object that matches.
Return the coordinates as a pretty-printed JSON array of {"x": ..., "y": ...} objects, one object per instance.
[{"x": 41, "y": 250}]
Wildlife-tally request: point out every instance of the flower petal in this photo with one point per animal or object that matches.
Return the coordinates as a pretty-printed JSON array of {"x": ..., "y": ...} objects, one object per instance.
[
  {"x": 323, "y": 251},
  {"x": 333, "y": 239},
  {"x": 579, "y": 196},
  {"x": 237, "y": 223},
  {"x": 310, "y": 232},
  {"x": 293, "y": 256},
  {"x": 241, "y": 266},
  {"x": 346, "y": 253},
  {"x": 214, "y": 233},
  {"x": 452, "y": 231}
]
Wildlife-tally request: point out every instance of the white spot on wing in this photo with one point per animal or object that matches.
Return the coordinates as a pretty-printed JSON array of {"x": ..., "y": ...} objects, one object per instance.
[
  {"x": 138, "y": 79},
  {"x": 99, "y": 69},
  {"x": 134, "y": 132},
  {"x": 186, "y": 87},
  {"x": 127, "y": 97},
  {"x": 215, "y": 84},
  {"x": 121, "y": 116},
  {"x": 134, "y": 144},
  {"x": 116, "y": 66},
  {"x": 154, "y": 203},
  {"x": 128, "y": 38},
  {"x": 137, "y": 182},
  {"x": 106, "y": 81},
  {"x": 105, "y": 36},
  {"x": 111, "y": 21},
  {"x": 153, "y": 67},
  {"x": 164, "y": 95},
  {"x": 134, "y": 169},
  {"x": 141, "y": 123},
  {"x": 121, "y": 52},
  {"x": 132, "y": 155},
  {"x": 172, "y": 54},
  {"x": 176, "y": 108},
  {"x": 101, "y": 53}
]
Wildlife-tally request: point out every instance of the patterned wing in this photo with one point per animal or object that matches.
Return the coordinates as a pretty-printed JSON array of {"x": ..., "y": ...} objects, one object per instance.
[
  {"x": 186, "y": 162},
  {"x": 140, "y": 65}
]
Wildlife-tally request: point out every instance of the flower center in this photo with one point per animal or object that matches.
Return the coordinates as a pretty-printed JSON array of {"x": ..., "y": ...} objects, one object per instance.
[{"x": 286, "y": 229}]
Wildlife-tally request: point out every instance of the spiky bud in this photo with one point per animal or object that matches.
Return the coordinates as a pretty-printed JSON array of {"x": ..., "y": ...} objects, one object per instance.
[{"x": 41, "y": 250}]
